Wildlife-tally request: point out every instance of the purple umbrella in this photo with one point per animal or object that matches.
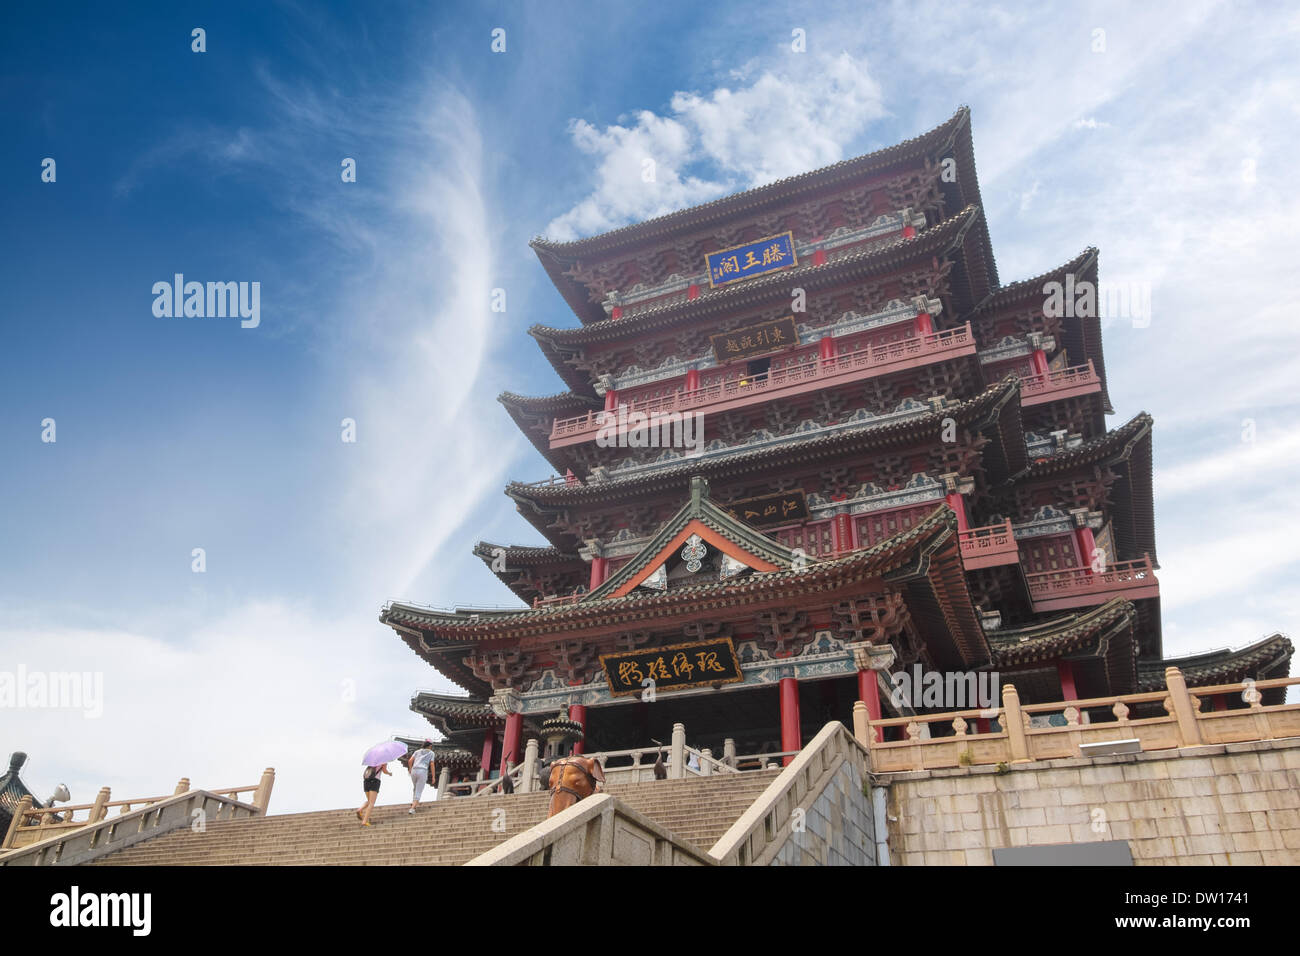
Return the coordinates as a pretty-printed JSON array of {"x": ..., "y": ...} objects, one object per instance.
[{"x": 380, "y": 754}]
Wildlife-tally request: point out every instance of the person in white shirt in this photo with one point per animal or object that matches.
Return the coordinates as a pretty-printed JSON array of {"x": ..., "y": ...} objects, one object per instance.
[{"x": 420, "y": 761}]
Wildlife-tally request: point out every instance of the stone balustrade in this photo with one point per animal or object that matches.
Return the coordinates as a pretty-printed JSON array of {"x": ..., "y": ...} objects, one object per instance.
[{"x": 936, "y": 741}]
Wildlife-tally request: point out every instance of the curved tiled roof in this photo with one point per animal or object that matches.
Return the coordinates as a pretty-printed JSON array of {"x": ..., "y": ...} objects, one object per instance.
[
  {"x": 750, "y": 201},
  {"x": 792, "y": 583},
  {"x": 979, "y": 411},
  {"x": 1270, "y": 657},
  {"x": 878, "y": 258}
]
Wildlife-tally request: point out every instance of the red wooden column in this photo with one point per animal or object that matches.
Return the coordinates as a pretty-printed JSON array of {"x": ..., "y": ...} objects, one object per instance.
[
  {"x": 578, "y": 713},
  {"x": 489, "y": 743},
  {"x": 790, "y": 737},
  {"x": 826, "y": 351},
  {"x": 611, "y": 400},
  {"x": 1087, "y": 544},
  {"x": 692, "y": 380},
  {"x": 513, "y": 745},
  {"x": 869, "y": 694},
  {"x": 924, "y": 323},
  {"x": 958, "y": 504},
  {"x": 1039, "y": 359},
  {"x": 1066, "y": 671},
  {"x": 599, "y": 569}
]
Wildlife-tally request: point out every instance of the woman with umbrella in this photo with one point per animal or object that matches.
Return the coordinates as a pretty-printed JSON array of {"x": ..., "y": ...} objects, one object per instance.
[{"x": 375, "y": 762}]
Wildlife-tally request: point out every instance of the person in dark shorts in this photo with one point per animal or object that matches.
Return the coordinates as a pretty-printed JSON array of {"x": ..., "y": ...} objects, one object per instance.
[{"x": 370, "y": 784}]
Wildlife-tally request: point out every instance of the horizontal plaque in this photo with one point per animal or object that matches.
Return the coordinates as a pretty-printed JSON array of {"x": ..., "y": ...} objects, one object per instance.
[
  {"x": 754, "y": 340},
  {"x": 672, "y": 668},
  {"x": 752, "y": 259},
  {"x": 786, "y": 507}
]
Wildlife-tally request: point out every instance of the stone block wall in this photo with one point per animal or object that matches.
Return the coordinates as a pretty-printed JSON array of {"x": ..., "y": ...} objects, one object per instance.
[
  {"x": 1215, "y": 805},
  {"x": 838, "y": 828}
]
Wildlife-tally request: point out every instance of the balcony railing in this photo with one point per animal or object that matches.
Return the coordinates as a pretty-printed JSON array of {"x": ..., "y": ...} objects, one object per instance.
[
  {"x": 1081, "y": 587},
  {"x": 557, "y": 599},
  {"x": 1059, "y": 383},
  {"x": 743, "y": 390},
  {"x": 989, "y": 546}
]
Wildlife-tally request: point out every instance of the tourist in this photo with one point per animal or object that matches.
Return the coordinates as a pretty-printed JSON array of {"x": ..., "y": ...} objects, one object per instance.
[
  {"x": 370, "y": 784},
  {"x": 420, "y": 766}
]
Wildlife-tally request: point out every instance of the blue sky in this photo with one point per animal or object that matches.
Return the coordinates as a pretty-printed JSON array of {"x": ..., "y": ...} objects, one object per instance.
[{"x": 1170, "y": 148}]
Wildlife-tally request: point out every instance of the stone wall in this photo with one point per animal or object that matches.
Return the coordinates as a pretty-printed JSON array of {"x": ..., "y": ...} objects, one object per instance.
[
  {"x": 1215, "y": 805},
  {"x": 837, "y": 829}
]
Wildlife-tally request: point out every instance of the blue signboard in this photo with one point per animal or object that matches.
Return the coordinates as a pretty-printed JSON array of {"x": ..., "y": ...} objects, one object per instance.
[{"x": 752, "y": 259}]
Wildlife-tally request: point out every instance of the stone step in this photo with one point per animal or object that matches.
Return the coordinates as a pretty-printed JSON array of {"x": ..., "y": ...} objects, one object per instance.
[{"x": 450, "y": 832}]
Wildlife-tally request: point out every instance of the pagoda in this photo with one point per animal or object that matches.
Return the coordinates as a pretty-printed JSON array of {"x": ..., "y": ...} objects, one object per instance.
[{"x": 809, "y": 442}]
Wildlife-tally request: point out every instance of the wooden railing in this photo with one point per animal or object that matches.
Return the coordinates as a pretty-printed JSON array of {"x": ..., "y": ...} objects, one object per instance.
[
  {"x": 989, "y": 546},
  {"x": 1076, "y": 587},
  {"x": 738, "y": 389},
  {"x": 945, "y": 740},
  {"x": 1048, "y": 386},
  {"x": 557, "y": 599}
]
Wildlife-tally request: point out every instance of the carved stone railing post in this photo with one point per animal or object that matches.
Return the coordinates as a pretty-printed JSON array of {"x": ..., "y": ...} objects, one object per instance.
[
  {"x": 861, "y": 723},
  {"x": 262, "y": 795},
  {"x": 677, "y": 766},
  {"x": 444, "y": 781},
  {"x": 527, "y": 780},
  {"x": 729, "y": 752},
  {"x": 99, "y": 809},
  {"x": 1189, "y": 732},
  {"x": 1015, "y": 724},
  {"x": 24, "y": 805},
  {"x": 182, "y": 787},
  {"x": 706, "y": 762}
]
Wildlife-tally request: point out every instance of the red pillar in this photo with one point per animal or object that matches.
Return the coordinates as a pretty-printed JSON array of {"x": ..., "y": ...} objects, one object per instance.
[
  {"x": 909, "y": 231},
  {"x": 512, "y": 747},
  {"x": 1066, "y": 671},
  {"x": 599, "y": 568},
  {"x": 924, "y": 323},
  {"x": 958, "y": 504},
  {"x": 1086, "y": 546},
  {"x": 869, "y": 694},
  {"x": 841, "y": 534},
  {"x": 692, "y": 292},
  {"x": 790, "y": 737},
  {"x": 1039, "y": 358},
  {"x": 826, "y": 352},
  {"x": 819, "y": 257},
  {"x": 578, "y": 713},
  {"x": 489, "y": 742},
  {"x": 611, "y": 400},
  {"x": 617, "y": 312},
  {"x": 692, "y": 380}
]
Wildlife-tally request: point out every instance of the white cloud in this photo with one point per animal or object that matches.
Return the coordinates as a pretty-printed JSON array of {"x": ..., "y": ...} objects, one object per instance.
[{"x": 781, "y": 124}]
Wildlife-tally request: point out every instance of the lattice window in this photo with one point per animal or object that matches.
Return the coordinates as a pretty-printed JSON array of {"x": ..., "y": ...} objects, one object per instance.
[
  {"x": 876, "y": 527},
  {"x": 1055, "y": 553}
]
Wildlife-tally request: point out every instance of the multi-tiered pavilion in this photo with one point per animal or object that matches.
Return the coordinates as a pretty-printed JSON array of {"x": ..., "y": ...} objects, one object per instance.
[{"x": 900, "y": 462}]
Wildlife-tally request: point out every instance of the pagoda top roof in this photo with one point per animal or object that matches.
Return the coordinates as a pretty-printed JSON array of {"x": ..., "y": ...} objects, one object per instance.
[
  {"x": 752, "y": 201},
  {"x": 981, "y": 411},
  {"x": 881, "y": 257}
]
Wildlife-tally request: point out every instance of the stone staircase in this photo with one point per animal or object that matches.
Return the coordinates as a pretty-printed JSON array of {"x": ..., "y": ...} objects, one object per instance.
[{"x": 446, "y": 833}]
